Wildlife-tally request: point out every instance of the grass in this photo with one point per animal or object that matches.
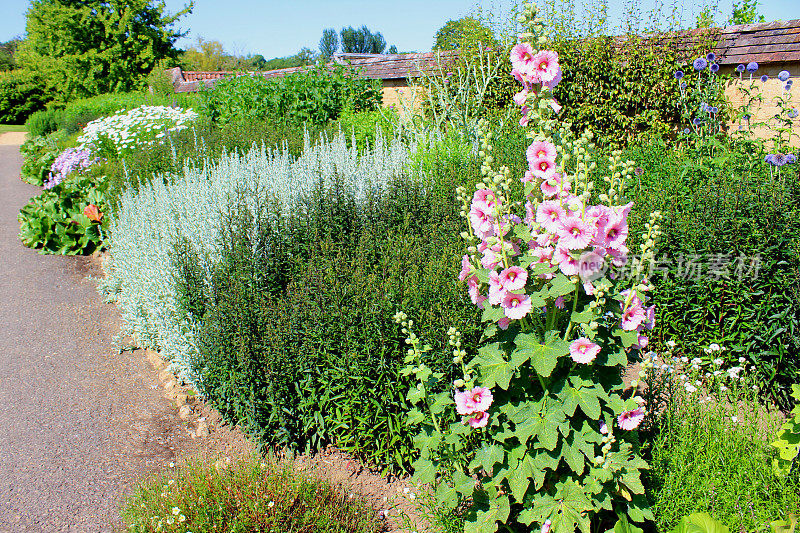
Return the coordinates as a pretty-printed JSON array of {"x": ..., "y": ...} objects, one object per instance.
[
  {"x": 249, "y": 495},
  {"x": 5, "y": 128}
]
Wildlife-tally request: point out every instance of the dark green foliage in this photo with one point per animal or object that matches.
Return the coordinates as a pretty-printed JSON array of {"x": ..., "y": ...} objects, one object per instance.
[
  {"x": 297, "y": 339},
  {"x": 22, "y": 92},
  {"x": 362, "y": 41},
  {"x": 94, "y": 47},
  {"x": 464, "y": 33},
  {"x": 316, "y": 95},
  {"x": 328, "y": 43},
  {"x": 716, "y": 210},
  {"x": 54, "y": 221},
  {"x": 363, "y": 126},
  {"x": 7, "y": 51}
]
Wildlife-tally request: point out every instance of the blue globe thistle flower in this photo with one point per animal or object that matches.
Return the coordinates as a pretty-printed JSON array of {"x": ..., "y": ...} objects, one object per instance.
[
  {"x": 792, "y": 113},
  {"x": 740, "y": 68},
  {"x": 778, "y": 160},
  {"x": 787, "y": 87},
  {"x": 714, "y": 109},
  {"x": 746, "y": 116},
  {"x": 683, "y": 85},
  {"x": 768, "y": 158},
  {"x": 790, "y": 159},
  {"x": 711, "y": 56},
  {"x": 789, "y": 82},
  {"x": 764, "y": 78},
  {"x": 697, "y": 121},
  {"x": 678, "y": 74},
  {"x": 687, "y": 131},
  {"x": 700, "y": 64},
  {"x": 752, "y": 67},
  {"x": 783, "y": 75},
  {"x": 714, "y": 67},
  {"x": 703, "y": 106}
]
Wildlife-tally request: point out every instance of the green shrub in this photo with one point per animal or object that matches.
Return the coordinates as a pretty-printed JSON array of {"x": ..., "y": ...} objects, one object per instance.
[
  {"x": 55, "y": 223},
  {"x": 43, "y": 122},
  {"x": 252, "y": 495},
  {"x": 316, "y": 95},
  {"x": 21, "y": 94},
  {"x": 731, "y": 251},
  {"x": 362, "y": 126}
]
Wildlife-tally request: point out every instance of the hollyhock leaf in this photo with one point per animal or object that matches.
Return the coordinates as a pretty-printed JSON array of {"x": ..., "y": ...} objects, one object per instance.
[
  {"x": 628, "y": 338},
  {"x": 572, "y": 455},
  {"x": 520, "y": 477},
  {"x": 700, "y": 523},
  {"x": 424, "y": 470},
  {"x": 495, "y": 369},
  {"x": 522, "y": 232},
  {"x": 482, "y": 274},
  {"x": 632, "y": 480},
  {"x": 584, "y": 317},
  {"x": 416, "y": 394},
  {"x": 487, "y": 456},
  {"x": 486, "y": 521},
  {"x": 543, "y": 357},
  {"x": 464, "y": 484},
  {"x": 414, "y": 417},
  {"x": 623, "y": 526},
  {"x": 560, "y": 286},
  {"x": 446, "y": 496},
  {"x": 491, "y": 313},
  {"x": 543, "y": 426},
  {"x": 441, "y": 401}
]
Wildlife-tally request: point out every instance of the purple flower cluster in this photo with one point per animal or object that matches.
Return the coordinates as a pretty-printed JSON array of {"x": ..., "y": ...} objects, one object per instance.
[
  {"x": 778, "y": 160},
  {"x": 66, "y": 163}
]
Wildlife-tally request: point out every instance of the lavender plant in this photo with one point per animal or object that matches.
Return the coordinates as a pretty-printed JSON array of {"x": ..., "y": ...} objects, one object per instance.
[
  {"x": 543, "y": 431},
  {"x": 192, "y": 206},
  {"x": 69, "y": 161}
]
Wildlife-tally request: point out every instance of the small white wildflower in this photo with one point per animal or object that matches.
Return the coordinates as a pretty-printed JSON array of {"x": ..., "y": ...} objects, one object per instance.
[
  {"x": 271, "y": 505},
  {"x": 181, "y": 518},
  {"x": 742, "y": 359},
  {"x": 713, "y": 347},
  {"x": 176, "y": 511},
  {"x": 718, "y": 361},
  {"x": 734, "y": 419},
  {"x": 671, "y": 344}
]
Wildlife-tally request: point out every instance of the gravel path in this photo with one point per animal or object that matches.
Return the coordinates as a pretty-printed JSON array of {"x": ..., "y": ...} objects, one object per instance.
[{"x": 78, "y": 422}]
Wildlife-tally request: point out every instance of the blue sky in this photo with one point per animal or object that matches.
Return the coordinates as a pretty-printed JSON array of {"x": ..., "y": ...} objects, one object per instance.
[{"x": 280, "y": 28}]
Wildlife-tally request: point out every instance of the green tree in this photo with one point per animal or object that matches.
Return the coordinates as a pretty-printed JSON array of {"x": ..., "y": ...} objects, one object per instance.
[
  {"x": 745, "y": 12},
  {"x": 392, "y": 50},
  {"x": 205, "y": 55},
  {"x": 88, "y": 47},
  {"x": 7, "y": 51},
  {"x": 465, "y": 32},
  {"x": 362, "y": 41},
  {"x": 328, "y": 44}
]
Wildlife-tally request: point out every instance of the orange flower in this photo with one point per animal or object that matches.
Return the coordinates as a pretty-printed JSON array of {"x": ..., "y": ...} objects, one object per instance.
[{"x": 92, "y": 213}]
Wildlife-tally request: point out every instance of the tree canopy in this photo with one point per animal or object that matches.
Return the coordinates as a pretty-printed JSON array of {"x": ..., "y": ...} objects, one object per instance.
[
  {"x": 328, "y": 43},
  {"x": 465, "y": 32},
  {"x": 362, "y": 41},
  {"x": 88, "y": 47}
]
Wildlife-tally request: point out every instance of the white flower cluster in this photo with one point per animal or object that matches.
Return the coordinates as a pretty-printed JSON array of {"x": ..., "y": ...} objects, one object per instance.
[
  {"x": 148, "y": 224},
  {"x": 128, "y": 130}
]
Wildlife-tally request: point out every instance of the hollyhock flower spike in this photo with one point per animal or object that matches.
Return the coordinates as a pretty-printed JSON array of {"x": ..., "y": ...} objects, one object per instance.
[
  {"x": 539, "y": 150},
  {"x": 546, "y": 67},
  {"x": 522, "y": 59}
]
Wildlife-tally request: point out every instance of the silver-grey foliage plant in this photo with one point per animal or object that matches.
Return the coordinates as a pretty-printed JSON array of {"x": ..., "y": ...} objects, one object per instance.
[{"x": 141, "y": 279}]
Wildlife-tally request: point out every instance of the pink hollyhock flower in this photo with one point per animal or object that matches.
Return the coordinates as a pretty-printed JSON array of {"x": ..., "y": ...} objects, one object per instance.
[
  {"x": 522, "y": 58},
  {"x": 551, "y": 186},
  {"x": 528, "y": 178},
  {"x": 545, "y": 65},
  {"x": 619, "y": 256},
  {"x": 540, "y": 150},
  {"x": 583, "y": 351},
  {"x": 480, "y": 398},
  {"x": 544, "y": 168},
  {"x": 491, "y": 258},
  {"x": 524, "y": 120},
  {"x": 513, "y": 278},
  {"x": 521, "y": 97},
  {"x": 466, "y": 268},
  {"x": 484, "y": 197},
  {"x": 632, "y": 317},
  {"x": 590, "y": 265},
  {"x": 650, "y": 317},
  {"x": 552, "y": 85},
  {"x": 566, "y": 263},
  {"x": 588, "y": 288},
  {"x": 613, "y": 233},
  {"x": 543, "y": 254},
  {"x": 546, "y": 526},
  {"x": 503, "y": 323},
  {"x": 516, "y": 306},
  {"x": 480, "y": 216},
  {"x": 521, "y": 77},
  {"x": 479, "y": 420},
  {"x": 474, "y": 290},
  {"x": 574, "y": 233},
  {"x": 496, "y": 289},
  {"x": 549, "y": 215},
  {"x": 464, "y": 405},
  {"x": 641, "y": 342},
  {"x": 530, "y": 216},
  {"x": 630, "y": 420},
  {"x": 603, "y": 427},
  {"x": 554, "y": 105}
]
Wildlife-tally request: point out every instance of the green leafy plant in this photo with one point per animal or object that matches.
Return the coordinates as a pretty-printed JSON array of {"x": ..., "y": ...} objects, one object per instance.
[
  {"x": 700, "y": 523},
  {"x": 788, "y": 443},
  {"x": 39, "y": 154},
  {"x": 67, "y": 219}
]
